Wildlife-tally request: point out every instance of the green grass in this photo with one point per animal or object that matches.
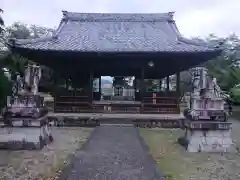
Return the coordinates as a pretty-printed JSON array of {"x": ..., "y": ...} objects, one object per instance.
[
  {"x": 165, "y": 150},
  {"x": 172, "y": 159}
]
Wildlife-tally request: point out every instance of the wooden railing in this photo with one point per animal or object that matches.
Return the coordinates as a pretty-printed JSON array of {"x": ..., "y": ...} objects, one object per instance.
[
  {"x": 160, "y": 103},
  {"x": 152, "y": 103},
  {"x": 72, "y": 101}
]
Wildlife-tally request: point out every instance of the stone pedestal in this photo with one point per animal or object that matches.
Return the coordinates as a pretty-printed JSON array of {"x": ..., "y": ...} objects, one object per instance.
[
  {"x": 207, "y": 136},
  {"x": 14, "y": 138},
  {"x": 25, "y": 133},
  {"x": 26, "y": 110}
]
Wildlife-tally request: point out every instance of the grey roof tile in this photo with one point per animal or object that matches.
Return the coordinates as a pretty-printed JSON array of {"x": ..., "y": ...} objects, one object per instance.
[{"x": 96, "y": 32}]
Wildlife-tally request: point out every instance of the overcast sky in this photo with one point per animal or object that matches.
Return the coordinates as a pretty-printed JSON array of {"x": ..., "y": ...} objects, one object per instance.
[{"x": 193, "y": 17}]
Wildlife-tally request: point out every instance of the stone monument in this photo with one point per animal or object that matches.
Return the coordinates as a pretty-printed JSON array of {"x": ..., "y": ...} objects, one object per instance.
[
  {"x": 26, "y": 105},
  {"x": 206, "y": 126}
]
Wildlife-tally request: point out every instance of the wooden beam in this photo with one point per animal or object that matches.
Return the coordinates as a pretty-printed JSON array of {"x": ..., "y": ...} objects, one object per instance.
[
  {"x": 178, "y": 84},
  {"x": 91, "y": 86}
]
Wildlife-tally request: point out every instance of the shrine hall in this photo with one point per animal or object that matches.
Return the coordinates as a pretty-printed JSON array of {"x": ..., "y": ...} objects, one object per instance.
[{"x": 87, "y": 46}]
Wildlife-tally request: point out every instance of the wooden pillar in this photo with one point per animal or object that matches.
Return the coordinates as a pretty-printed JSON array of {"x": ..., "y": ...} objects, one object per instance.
[
  {"x": 178, "y": 84},
  {"x": 160, "y": 84},
  {"x": 100, "y": 87},
  {"x": 91, "y": 86},
  {"x": 55, "y": 81},
  {"x": 142, "y": 89},
  {"x": 168, "y": 83},
  {"x": 178, "y": 90},
  {"x": 134, "y": 87},
  {"x": 67, "y": 83}
]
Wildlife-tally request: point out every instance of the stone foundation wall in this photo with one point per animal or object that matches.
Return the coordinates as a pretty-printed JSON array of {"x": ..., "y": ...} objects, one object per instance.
[{"x": 209, "y": 141}]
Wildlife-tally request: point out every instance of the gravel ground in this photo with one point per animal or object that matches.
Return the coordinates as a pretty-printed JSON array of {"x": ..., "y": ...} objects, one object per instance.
[
  {"x": 47, "y": 163},
  {"x": 113, "y": 153},
  {"x": 173, "y": 160}
]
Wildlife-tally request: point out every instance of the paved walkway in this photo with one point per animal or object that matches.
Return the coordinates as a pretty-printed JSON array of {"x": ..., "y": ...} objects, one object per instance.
[{"x": 113, "y": 153}]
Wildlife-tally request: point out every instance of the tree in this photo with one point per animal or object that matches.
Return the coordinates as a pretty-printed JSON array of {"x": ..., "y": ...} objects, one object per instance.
[
  {"x": 19, "y": 30},
  {"x": 185, "y": 82},
  {"x": 122, "y": 81},
  {"x": 225, "y": 67},
  {"x": 16, "y": 63},
  {"x": 2, "y": 35},
  {"x": 5, "y": 85},
  {"x": 1, "y": 21}
]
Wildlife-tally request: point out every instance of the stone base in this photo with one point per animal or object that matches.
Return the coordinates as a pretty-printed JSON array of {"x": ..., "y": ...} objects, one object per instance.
[
  {"x": 207, "y": 141},
  {"x": 23, "y": 139}
]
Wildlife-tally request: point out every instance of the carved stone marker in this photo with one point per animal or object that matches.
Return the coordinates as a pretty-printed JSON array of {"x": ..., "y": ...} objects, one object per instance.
[
  {"x": 26, "y": 108},
  {"x": 206, "y": 126}
]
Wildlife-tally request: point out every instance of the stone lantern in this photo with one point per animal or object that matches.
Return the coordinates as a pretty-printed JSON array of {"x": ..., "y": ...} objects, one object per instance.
[{"x": 206, "y": 126}]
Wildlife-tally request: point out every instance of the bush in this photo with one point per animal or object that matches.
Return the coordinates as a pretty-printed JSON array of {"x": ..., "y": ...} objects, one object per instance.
[
  {"x": 235, "y": 95},
  {"x": 5, "y": 89}
]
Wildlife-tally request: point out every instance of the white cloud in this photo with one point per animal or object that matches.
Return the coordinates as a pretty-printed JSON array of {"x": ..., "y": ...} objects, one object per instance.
[
  {"x": 220, "y": 19},
  {"x": 194, "y": 18}
]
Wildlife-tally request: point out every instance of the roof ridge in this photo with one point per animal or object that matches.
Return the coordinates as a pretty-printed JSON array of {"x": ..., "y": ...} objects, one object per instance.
[
  {"x": 191, "y": 41},
  {"x": 130, "y": 17},
  {"x": 198, "y": 43}
]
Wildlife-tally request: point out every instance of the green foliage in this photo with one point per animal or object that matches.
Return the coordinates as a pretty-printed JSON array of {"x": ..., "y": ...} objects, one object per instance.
[
  {"x": 121, "y": 81},
  {"x": 19, "y": 30},
  {"x": 15, "y": 63},
  {"x": 5, "y": 89},
  {"x": 225, "y": 68},
  {"x": 235, "y": 95}
]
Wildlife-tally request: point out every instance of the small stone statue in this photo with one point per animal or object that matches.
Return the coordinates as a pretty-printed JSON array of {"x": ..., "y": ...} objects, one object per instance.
[
  {"x": 196, "y": 82},
  {"x": 33, "y": 75},
  {"x": 20, "y": 83},
  {"x": 36, "y": 78}
]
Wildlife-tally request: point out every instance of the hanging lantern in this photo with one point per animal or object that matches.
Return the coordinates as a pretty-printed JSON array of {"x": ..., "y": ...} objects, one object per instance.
[{"x": 150, "y": 64}]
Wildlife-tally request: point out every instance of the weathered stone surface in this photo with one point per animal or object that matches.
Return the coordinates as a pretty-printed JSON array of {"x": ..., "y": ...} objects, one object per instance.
[
  {"x": 206, "y": 126},
  {"x": 21, "y": 139},
  {"x": 209, "y": 141}
]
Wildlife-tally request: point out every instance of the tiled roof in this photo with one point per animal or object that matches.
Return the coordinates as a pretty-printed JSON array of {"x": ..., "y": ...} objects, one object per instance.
[{"x": 96, "y": 32}]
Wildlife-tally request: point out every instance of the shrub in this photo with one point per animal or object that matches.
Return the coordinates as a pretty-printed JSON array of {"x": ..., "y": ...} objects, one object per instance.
[
  {"x": 5, "y": 89},
  {"x": 235, "y": 95}
]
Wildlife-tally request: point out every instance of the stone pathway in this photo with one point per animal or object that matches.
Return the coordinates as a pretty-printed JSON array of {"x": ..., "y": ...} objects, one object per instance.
[{"x": 113, "y": 153}]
